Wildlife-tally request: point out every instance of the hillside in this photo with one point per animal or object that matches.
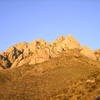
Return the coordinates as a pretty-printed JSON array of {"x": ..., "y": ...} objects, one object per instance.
[{"x": 68, "y": 72}]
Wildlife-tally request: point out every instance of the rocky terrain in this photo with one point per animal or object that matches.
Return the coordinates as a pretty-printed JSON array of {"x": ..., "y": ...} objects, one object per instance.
[{"x": 61, "y": 70}]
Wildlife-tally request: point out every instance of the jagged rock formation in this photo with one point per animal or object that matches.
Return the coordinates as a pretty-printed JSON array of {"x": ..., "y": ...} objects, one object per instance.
[{"x": 39, "y": 51}]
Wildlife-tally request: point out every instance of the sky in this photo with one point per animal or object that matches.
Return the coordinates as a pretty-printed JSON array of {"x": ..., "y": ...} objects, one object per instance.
[{"x": 27, "y": 20}]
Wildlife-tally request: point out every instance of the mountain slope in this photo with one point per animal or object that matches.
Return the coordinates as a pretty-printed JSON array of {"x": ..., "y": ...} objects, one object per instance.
[{"x": 70, "y": 76}]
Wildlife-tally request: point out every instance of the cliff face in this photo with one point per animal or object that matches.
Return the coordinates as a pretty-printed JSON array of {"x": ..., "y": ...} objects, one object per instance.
[{"x": 39, "y": 51}]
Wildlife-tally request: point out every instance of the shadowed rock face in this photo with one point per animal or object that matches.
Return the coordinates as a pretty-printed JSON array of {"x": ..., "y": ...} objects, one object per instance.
[
  {"x": 39, "y": 51},
  {"x": 4, "y": 62}
]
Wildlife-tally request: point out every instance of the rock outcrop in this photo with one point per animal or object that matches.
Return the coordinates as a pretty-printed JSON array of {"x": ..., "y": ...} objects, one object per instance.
[
  {"x": 88, "y": 52},
  {"x": 39, "y": 51},
  {"x": 4, "y": 62}
]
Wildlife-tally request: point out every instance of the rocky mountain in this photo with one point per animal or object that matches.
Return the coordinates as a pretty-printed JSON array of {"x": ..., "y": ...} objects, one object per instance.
[
  {"x": 61, "y": 70},
  {"x": 39, "y": 51}
]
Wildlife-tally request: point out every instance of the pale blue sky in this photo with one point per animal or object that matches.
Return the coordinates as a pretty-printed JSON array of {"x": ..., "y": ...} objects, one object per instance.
[{"x": 26, "y": 20}]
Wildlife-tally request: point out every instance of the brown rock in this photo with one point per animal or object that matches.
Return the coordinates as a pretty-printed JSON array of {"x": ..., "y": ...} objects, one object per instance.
[
  {"x": 18, "y": 46},
  {"x": 59, "y": 39},
  {"x": 14, "y": 54},
  {"x": 4, "y": 62}
]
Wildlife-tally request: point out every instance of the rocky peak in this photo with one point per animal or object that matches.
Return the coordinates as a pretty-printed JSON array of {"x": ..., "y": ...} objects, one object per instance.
[
  {"x": 69, "y": 36},
  {"x": 59, "y": 39},
  {"x": 39, "y": 42},
  {"x": 71, "y": 42},
  {"x": 39, "y": 51},
  {"x": 18, "y": 46}
]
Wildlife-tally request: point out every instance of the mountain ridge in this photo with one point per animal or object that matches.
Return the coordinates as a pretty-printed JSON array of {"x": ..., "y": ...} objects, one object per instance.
[{"x": 40, "y": 50}]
